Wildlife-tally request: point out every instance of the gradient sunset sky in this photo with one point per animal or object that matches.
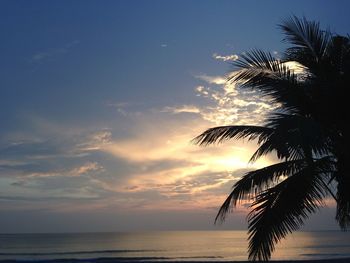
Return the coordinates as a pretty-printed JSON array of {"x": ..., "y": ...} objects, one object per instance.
[{"x": 100, "y": 100}]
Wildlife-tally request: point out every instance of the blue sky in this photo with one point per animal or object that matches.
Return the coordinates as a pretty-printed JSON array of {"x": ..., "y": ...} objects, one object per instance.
[{"x": 100, "y": 99}]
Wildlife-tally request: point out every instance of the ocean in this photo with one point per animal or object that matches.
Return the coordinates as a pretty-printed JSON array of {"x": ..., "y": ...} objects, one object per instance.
[{"x": 167, "y": 246}]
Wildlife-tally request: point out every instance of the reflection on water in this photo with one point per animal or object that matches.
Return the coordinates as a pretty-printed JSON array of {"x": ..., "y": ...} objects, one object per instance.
[
  {"x": 174, "y": 245},
  {"x": 314, "y": 245}
]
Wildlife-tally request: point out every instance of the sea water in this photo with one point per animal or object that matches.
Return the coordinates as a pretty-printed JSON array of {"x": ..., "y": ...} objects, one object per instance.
[{"x": 168, "y": 246}]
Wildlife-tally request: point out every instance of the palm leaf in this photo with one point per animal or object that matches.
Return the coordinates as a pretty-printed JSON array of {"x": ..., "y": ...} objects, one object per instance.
[
  {"x": 276, "y": 142},
  {"x": 343, "y": 196},
  {"x": 260, "y": 71},
  {"x": 301, "y": 131},
  {"x": 343, "y": 205},
  {"x": 281, "y": 210},
  {"x": 309, "y": 132},
  {"x": 292, "y": 135},
  {"x": 309, "y": 41},
  {"x": 256, "y": 181},
  {"x": 338, "y": 53},
  {"x": 221, "y": 133}
]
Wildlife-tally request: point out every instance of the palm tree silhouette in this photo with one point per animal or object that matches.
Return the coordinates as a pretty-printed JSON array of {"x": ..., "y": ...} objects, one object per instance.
[{"x": 308, "y": 132}]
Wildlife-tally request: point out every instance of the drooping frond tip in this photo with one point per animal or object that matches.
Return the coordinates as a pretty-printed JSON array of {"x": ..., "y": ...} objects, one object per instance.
[{"x": 225, "y": 208}]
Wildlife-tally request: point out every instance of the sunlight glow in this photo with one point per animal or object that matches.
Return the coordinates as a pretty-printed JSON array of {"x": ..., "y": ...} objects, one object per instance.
[
  {"x": 198, "y": 176},
  {"x": 295, "y": 66}
]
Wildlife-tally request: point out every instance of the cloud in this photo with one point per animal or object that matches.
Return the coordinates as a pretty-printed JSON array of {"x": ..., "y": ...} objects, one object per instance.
[
  {"x": 225, "y": 58},
  {"x": 201, "y": 91},
  {"x": 182, "y": 109},
  {"x": 228, "y": 104},
  {"x": 171, "y": 172},
  {"x": 120, "y": 107},
  {"x": 183, "y": 175},
  {"x": 52, "y": 52},
  {"x": 298, "y": 68},
  {"x": 53, "y": 160},
  {"x": 58, "y": 143},
  {"x": 218, "y": 80},
  {"x": 94, "y": 141},
  {"x": 147, "y": 163},
  {"x": 86, "y": 168}
]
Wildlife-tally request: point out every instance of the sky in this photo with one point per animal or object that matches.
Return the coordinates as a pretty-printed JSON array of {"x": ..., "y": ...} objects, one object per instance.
[{"x": 100, "y": 100}]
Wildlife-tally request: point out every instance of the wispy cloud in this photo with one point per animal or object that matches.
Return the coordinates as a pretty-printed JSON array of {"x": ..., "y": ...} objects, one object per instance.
[
  {"x": 174, "y": 168},
  {"x": 126, "y": 109},
  {"x": 151, "y": 164},
  {"x": 53, "y": 52},
  {"x": 218, "y": 80},
  {"x": 182, "y": 109},
  {"x": 225, "y": 58},
  {"x": 86, "y": 168},
  {"x": 231, "y": 106},
  {"x": 94, "y": 141}
]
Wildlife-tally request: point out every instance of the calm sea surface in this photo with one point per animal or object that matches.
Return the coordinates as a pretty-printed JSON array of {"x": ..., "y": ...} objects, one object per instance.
[{"x": 176, "y": 245}]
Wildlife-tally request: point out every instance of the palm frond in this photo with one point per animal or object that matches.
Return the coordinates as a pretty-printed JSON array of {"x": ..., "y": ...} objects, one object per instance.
[
  {"x": 258, "y": 65},
  {"x": 259, "y": 59},
  {"x": 221, "y": 133},
  {"x": 281, "y": 210},
  {"x": 273, "y": 78},
  {"x": 300, "y": 132},
  {"x": 292, "y": 134},
  {"x": 256, "y": 181},
  {"x": 276, "y": 143},
  {"x": 343, "y": 205},
  {"x": 343, "y": 198},
  {"x": 338, "y": 53},
  {"x": 308, "y": 40},
  {"x": 309, "y": 133}
]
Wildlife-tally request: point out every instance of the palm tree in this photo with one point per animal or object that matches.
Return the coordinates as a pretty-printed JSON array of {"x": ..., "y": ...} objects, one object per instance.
[{"x": 307, "y": 132}]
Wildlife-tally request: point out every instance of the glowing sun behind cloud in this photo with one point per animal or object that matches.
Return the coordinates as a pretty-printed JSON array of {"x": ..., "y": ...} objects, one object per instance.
[{"x": 187, "y": 176}]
